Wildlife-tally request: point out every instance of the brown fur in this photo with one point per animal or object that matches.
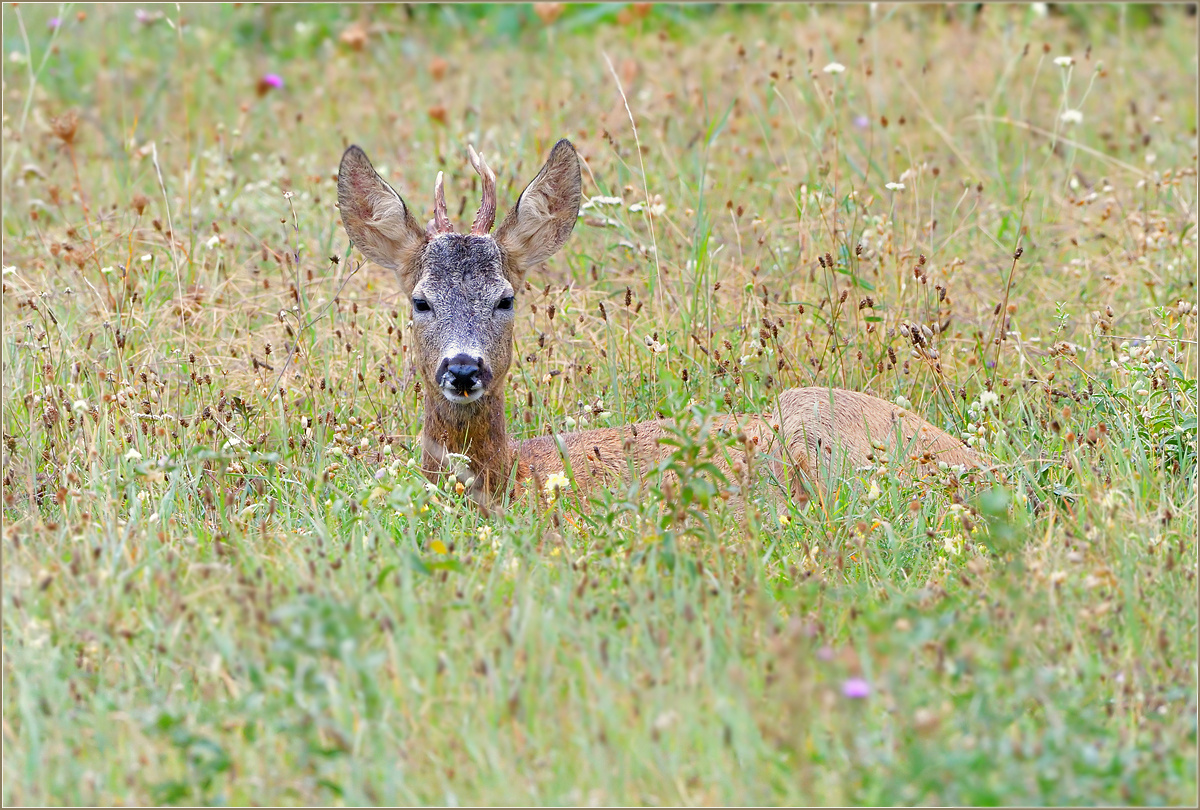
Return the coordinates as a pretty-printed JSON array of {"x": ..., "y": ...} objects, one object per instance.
[
  {"x": 463, "y": 283},
  {"x": 826, "y": 433}
]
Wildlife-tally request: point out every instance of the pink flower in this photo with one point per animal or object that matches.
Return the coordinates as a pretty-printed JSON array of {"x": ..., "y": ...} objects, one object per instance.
[
  {"x": 54, "y": 22},
  {"x": 856, "y": 688},
  {"x": 268, "y": 82}
]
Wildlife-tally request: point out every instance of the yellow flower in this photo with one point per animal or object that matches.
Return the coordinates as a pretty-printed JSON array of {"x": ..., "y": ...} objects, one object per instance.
[
  {"x": 784, "y": 520},
  {"x": 555, "y": 483},
  {"x": 438, "y": 547}
]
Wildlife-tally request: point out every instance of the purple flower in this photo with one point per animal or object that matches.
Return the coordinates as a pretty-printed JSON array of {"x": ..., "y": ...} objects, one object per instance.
[
  {"x": 825, "y": 653},
  {"x": 55, "y": 22},
  {"x": 856, "y": 688},
  {"x": 268, "y": 82},
  {"x": 861, "y": 121}
]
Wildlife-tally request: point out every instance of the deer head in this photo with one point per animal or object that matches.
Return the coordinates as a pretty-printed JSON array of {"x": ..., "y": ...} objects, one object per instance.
[{"x": 463, "y": 287}]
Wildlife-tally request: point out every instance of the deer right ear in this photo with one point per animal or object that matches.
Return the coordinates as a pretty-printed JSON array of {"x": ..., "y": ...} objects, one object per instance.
[
  {"x": 376, "y": 218},
  {"x": 545, "y": 213}
]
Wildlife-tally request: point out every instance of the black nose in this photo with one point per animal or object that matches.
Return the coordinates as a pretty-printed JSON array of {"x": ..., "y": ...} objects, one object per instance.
[{"x": 461, "y": 372}]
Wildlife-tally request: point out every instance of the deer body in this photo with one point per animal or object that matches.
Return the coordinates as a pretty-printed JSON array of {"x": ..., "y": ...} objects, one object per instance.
[{"x": 463, "y": 289}]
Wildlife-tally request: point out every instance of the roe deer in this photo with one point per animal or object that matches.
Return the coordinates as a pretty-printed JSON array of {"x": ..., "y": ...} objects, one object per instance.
[{"x": 464, "y": 290}]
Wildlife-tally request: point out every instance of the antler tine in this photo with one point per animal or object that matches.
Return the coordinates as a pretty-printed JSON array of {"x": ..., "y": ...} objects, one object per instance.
[
  {"x": 487, "y": 208},
  {"x": 441, "y": 220}
]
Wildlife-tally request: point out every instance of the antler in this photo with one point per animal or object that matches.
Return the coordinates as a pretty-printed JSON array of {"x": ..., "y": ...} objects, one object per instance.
[
  {"x": 441, "y": 220},
  {"x": 487, "y": 208}
]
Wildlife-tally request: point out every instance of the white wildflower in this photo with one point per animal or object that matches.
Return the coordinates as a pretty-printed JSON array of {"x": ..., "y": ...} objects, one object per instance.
[
  {"x": 133, "y": 455},
  {"x": 1064, "y": 61},
  {"x": 988, "y": 398},
  {"x": 835, "y": 67},
  {"x": 654, "y": 345},
  {"x": 894, "y": 186},
  {"x": 592, "y": 202},
  {"x": 9, "y": 270},
  {"x": 1071, "y": 116}
]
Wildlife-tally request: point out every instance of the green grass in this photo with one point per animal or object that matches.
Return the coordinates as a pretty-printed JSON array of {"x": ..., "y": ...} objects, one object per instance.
[{"x": 210, "y": 595}]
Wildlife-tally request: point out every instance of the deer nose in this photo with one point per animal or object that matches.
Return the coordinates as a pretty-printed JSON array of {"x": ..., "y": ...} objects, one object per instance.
[{"x": 460, "y": 372}]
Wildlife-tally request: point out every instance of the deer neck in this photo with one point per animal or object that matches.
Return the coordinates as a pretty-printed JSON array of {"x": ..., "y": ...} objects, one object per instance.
[{"x": 475, "y": 430}]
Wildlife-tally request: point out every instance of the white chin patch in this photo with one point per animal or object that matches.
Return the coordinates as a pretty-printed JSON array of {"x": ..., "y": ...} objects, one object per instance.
[{"x": 452, "y": 395}]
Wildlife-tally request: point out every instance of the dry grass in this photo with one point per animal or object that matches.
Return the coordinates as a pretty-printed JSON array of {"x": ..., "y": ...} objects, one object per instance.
[{"x": 210, "y": 595}]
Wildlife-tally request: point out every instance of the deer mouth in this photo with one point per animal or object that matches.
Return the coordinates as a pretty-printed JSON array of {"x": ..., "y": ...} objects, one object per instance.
[
  {"x": 457, "y": 397},
  {"x": 463, "y": 379}
]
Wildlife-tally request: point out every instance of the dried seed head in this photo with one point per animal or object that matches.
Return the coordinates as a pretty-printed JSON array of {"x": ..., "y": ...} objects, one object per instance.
[
  {"x": 548, "y": 12},
  {"x": 65, "y": 127}
]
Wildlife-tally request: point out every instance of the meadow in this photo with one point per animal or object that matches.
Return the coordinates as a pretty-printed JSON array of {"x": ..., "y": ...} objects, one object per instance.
[{"x": 226, "y": 582}]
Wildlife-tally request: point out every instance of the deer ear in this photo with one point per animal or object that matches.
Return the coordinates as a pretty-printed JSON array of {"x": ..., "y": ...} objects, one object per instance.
[
  {"x": 376, "y": 218},
  {"x": 545, "y": 213}
]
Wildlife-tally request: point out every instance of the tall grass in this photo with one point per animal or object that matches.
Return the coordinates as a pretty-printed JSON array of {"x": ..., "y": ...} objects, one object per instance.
[{"x": 225, "y": 582}]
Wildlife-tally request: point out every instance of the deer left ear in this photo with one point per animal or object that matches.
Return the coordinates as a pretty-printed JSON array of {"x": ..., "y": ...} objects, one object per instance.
[
  {"x": 545, "y": 213},
  {"x": 376, "y": 218}
]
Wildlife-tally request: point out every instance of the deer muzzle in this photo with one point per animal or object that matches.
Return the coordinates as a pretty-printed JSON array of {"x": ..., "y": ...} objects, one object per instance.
[{"x": 462, "y": 378}]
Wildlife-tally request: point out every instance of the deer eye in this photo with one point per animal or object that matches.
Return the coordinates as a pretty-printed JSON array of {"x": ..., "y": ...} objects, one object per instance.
[
  {"x": 421, "y": 305},
  {"x": 505, "y": 303}
]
